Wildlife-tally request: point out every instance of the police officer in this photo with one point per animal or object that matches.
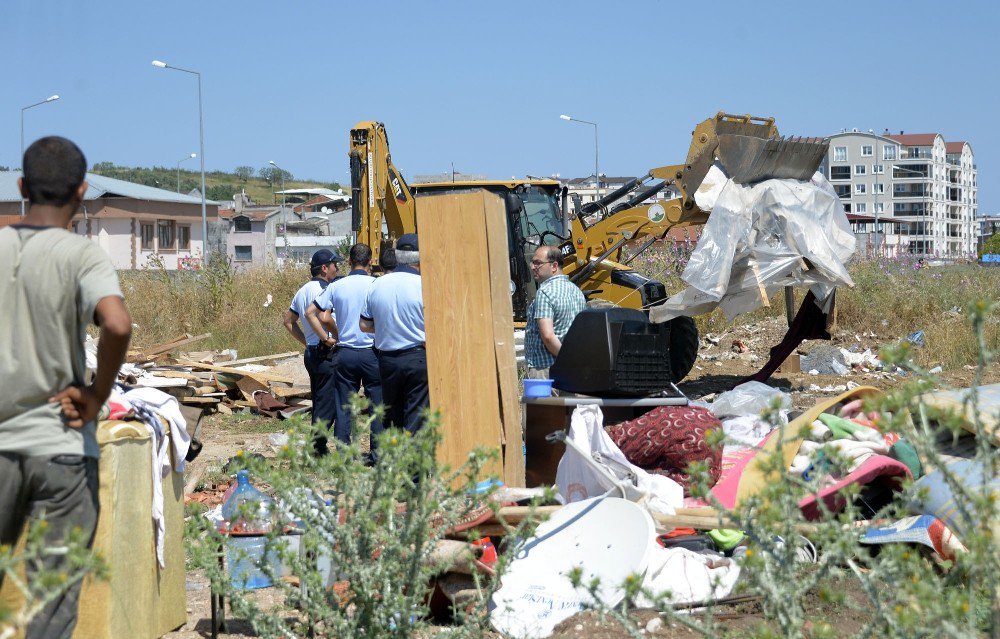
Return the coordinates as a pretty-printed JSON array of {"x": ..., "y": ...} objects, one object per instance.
[
  {"x": 319, "y": 347},
  {"x": 340, "y": 306},
  {"x": 394, "y": 312}
]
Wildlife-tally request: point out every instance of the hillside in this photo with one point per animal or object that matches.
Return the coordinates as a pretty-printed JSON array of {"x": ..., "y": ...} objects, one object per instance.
[{"x": 219, "y": 185}]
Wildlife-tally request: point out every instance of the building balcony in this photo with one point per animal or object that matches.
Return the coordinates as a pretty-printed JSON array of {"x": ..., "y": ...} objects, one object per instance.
[{"x": 915, "y": 154}]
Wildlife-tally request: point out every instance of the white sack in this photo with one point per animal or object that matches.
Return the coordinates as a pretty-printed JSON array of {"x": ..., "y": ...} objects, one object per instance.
[
  {"x": 577, "y": 479},
  {"x": 683, "y": 576}
]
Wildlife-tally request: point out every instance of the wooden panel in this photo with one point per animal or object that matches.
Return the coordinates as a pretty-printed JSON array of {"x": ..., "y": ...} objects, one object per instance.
[
  {"x": 461, "y": 356},
  {"x": 503, "y": 340}
]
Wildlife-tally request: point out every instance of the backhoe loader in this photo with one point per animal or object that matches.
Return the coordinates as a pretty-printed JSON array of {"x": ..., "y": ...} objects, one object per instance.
[{"x": 594, "y": 240}]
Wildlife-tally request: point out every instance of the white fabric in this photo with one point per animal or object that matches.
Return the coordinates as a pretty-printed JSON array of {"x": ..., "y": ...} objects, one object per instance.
[
  {"x": 743, "y": 432},
  {"x": 683, "y": 576},
  {"x": 578, "y": 479},
  {"x": 150, "y": 400}
]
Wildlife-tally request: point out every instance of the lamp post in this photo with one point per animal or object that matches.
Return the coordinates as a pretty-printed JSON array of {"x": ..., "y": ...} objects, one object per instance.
[
  {"x": 597, "y": 170},
  {"x": 51, "y": 98},
  {"x": 201, "y": 153},
  {"x": 189, "y": 157},
  {"x": 284, "y": 214}
]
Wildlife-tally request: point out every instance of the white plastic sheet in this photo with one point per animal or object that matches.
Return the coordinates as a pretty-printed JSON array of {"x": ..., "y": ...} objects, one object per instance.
[
  {"x": 759, "y": 239},
  {"x": 577, "y": 479}
]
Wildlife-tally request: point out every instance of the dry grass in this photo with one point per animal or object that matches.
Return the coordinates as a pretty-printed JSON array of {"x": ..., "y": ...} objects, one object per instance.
[
  {"x": 890, "y": 298},
  {"x": 228, "y": 305}
]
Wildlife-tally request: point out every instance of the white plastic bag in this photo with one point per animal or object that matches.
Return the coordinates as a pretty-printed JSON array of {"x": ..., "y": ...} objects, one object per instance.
[
  {"x": 749, "y": 398},
  {"x": 578, "y": 479},
  {"x": 759, "y": 239}
]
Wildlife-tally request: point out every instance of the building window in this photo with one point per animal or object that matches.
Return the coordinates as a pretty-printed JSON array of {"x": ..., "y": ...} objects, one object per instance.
[
  {"x": 889, "y": 152},
  {"x": 843, "y": 190},
  {"x": 146, "y": 235},
  {"x": 840, "y": 172},
  {"x": 243, "y": 253},
  {"x": 847, "y": 207},
  {"x": 866, "y": 151},
  {"x": 878, "y": 189},
  {"x": 860, "y": 189},
  {"x": 860, "y": 207},
  {"x": 166, "y": 233},
  {"x": 184, "y": 237},
  {"x": 878, "y": 169},
  {"x": 859, "y": 169},
  {"x": 879, "y": 208},
  {"x": 840, "y": 154},
  {"x": 242, "y": 224}
]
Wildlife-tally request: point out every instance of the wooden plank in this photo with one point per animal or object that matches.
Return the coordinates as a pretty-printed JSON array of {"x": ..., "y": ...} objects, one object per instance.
[
  {"x": 294, "y": 391},
  {"x": 503, "y": 341},
  {"x": 235, "y": 371},
  {"x": 263, "y": 358},
  {"x": 199, "y": 400},
  {"x": 169, "y": 347},
  {"x": 461, "y": 360}
]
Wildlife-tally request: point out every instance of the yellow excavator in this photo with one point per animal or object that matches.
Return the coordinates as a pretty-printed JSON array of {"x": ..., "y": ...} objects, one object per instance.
[{"x": 593, "y": 240}]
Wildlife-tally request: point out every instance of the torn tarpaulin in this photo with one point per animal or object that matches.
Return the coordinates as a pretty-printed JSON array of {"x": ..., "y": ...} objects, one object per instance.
[{"x": 759, "y": 239}]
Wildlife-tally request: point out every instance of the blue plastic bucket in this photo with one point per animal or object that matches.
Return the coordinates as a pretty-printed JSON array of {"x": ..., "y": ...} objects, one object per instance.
[{"x": 537, "y": 388}]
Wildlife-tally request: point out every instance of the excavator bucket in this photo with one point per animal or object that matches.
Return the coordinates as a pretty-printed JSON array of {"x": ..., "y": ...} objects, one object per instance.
[{"x": 750, "y": 159}]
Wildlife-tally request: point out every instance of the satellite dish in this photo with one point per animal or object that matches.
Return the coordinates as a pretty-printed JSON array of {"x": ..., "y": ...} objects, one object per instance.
[
  {"x": 607, "y": 537},
  {"x": 324, "y": 210}
]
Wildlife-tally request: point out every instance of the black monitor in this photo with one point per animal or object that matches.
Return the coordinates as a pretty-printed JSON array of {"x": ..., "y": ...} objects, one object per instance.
[{"x": 614, "y": 352}]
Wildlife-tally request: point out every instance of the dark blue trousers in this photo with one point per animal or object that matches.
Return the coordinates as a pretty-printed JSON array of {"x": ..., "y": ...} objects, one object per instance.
[
  {"x": 404, "y": 387},
  {"x": 356, "y": 367},
  {"x": 321, "y": 365}
]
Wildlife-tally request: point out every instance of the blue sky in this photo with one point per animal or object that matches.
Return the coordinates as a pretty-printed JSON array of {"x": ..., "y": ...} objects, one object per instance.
[{"x": 481, "y": 85}]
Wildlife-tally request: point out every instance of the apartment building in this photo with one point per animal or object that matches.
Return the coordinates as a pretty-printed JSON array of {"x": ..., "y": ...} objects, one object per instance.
[{"x": 921, "y": 190}]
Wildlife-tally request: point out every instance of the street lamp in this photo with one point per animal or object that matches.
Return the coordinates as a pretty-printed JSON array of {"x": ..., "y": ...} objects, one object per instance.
[
  {"x": 189, "y": 157},
  {"x": 51, "y": 98},
  {"x": 597, "y": 170},
  {"x": 284, "y": 214},
  {"x": 201, "y": 152}
]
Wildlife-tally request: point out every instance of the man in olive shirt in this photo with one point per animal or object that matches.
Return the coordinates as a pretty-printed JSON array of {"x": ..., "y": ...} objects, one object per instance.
[{"x": 52, "y": 285}]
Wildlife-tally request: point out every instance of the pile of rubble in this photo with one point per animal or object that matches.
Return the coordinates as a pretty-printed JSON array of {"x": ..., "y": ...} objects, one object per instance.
[{"x": 217, "y": 380}]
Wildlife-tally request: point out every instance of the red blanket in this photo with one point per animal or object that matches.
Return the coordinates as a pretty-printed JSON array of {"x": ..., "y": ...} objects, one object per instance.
[{"x": 667, "y": 439}]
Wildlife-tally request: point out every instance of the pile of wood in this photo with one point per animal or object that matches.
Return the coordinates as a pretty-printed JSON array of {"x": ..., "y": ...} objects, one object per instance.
[{"x": 213, "y": 379}]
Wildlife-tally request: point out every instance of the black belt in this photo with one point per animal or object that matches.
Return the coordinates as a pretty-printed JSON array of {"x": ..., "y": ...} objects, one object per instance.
[{"x": 400, "y": 352}]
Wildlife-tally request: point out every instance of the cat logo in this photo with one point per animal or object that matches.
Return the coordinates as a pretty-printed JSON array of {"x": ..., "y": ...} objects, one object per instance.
[
  {"x": 656, "y": 213},
  {"x": 397, "y": 187}
]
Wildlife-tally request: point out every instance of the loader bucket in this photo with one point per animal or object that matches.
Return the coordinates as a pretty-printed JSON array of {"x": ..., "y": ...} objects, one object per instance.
[{"x": 750, "y": 159}]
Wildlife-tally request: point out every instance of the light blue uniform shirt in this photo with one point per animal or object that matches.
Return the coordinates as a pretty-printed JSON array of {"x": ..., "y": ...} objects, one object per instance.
[
  {"x": 303, "y": 298},
  {"x": 346, "y": 297},
  {"x": 396, "y": 304}
]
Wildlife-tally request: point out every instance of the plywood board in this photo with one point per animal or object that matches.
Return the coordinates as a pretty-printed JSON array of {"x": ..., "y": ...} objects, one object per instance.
[
  {"x": 458, "y": 315},
  {"x": 503, "y": 341}
]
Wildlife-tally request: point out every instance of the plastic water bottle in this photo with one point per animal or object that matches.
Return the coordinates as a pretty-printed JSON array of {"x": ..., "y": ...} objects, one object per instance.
[{"x": 248, "y": 511}]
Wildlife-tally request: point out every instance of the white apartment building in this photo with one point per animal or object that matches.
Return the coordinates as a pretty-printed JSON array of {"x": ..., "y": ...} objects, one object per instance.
[{"x": 921, "y": 190}]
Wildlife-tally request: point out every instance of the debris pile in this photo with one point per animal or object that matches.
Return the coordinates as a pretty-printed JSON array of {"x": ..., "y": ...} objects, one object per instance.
[{"x": 217, "y": 380}]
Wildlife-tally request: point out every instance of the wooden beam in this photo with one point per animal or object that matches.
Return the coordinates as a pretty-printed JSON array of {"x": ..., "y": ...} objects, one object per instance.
[
  {"x": 262, "y": 358},
  {"x": 235, "y": 371},
  {"x": 169, "y": 347}
]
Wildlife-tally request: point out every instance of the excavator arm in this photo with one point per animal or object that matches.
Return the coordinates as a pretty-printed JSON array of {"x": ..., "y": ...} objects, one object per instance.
[
  {"x": 747, "y": 146},
  {"x": 379, "y": 194}
]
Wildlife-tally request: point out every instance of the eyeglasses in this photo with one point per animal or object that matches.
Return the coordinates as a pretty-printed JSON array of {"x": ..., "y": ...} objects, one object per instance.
[{"x": 540, "y": 262}]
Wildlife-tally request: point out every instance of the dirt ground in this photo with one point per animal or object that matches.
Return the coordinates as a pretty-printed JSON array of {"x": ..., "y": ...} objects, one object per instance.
[{"x": 724, "y": 359}]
